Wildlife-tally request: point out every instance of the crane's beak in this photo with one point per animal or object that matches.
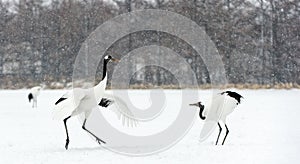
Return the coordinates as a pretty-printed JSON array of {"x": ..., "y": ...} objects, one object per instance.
[
  {"x": 115, "y": 60},
  {"x": 195, "y": 104}
]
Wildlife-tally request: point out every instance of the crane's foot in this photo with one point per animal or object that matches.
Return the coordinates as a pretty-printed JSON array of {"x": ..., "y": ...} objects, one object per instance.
[
  {"x": 100, "y": 141},
  {"x": 67, "y": 144}
]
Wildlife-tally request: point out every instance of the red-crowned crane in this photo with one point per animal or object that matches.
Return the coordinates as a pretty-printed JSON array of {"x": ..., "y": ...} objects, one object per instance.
[
  {"x": 228, "y": 100},
  {"x": 81, "y": 100},
  {"x": 33, "y": 94}
]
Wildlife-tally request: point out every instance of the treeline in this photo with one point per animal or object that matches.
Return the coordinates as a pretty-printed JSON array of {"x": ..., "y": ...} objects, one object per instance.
[{"x": 258, "y": 40}]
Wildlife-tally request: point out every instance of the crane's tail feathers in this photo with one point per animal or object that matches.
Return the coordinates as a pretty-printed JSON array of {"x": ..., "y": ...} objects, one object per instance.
[
  {"x": 30, "y": 97},
  {"x": 67, "y": 104},
  {"x": 63, "y": 110}
]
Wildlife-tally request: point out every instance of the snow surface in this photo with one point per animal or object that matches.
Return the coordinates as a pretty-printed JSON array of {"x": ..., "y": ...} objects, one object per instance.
[{"x": 263, "y": 129}]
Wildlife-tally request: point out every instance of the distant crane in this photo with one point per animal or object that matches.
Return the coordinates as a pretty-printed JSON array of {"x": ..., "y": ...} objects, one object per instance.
[
  {"x": 81, "y": 100},
  {"x": 32, "y": 96},
  {"x": 230, "y": 100}
]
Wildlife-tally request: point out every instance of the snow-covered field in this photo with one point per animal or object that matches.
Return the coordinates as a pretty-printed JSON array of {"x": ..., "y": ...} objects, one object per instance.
[{"x": 263, "y": 129}]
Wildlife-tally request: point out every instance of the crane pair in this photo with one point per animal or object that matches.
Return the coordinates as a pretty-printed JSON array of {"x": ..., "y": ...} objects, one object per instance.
[{"x": 81, "y": 100}]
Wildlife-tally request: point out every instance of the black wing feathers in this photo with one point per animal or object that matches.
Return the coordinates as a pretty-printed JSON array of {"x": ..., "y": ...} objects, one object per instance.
[
  {"x": 60, "y": 100},
  {"x": 105, "y": 102},
  {"x": 30, "y": 97},
  {"x": 234, "y": 95}
]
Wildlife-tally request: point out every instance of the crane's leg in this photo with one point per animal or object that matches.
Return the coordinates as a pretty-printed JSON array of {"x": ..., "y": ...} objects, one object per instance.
[
  {"x": 220, "y": 129},
  {"x": 227, "y": 131},
  {"x": 67, "y": 140},
  {"x": 35, "y": 103},
  {"x": 97, "y": 139}
]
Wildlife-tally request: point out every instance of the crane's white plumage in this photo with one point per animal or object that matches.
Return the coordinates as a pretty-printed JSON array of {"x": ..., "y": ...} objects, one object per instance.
[
  {"x": 33, "y": 94},
  {"x": 79, "y": 100},
  {"x": 220, "y": 107},
  {"x": 69, "y": 105}
]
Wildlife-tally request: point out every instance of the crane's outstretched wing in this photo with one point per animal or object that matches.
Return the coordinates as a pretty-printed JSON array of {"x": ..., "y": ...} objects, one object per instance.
[
  {"x": 65, "y": 105},
  {"x": 119, "y": 107}
]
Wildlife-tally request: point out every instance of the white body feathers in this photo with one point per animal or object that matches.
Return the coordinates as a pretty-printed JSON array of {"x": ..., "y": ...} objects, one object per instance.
[
  {"x": 220, "y": 107},
  {"x": 79, "y": 100}
]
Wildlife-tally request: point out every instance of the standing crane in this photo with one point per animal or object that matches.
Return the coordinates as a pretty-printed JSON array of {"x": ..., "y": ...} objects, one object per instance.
[
  {"x": 33, "y": 94},
  {"x": 227, "y": 101}
]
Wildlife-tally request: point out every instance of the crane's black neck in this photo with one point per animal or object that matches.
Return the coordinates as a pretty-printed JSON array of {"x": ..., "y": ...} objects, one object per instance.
[
  {"x": 104, "y": 68},
  {"x": 201, "y": 113}
]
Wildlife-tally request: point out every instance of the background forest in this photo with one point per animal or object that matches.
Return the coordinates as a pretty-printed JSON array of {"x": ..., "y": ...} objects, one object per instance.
[{"x": 258, "y": 40}]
